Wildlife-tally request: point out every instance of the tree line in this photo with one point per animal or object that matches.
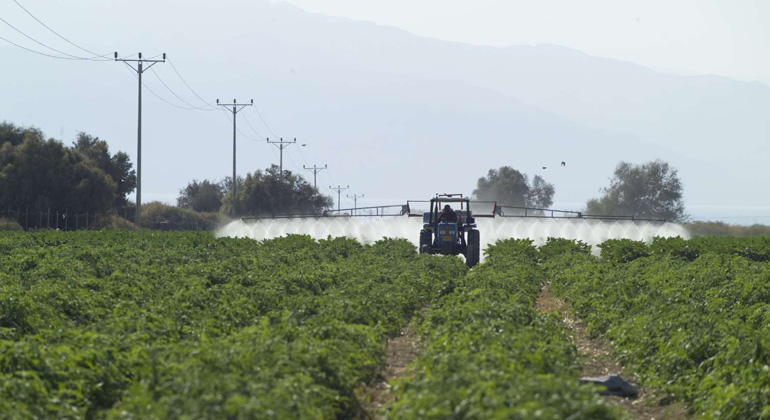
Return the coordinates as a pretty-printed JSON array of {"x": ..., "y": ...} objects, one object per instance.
[
  {"x": 41, "y": 173},
  {"x": 261, "y": 193},
  {"x": 86, "y": 177},
  {"x": 650, "y": 190}
]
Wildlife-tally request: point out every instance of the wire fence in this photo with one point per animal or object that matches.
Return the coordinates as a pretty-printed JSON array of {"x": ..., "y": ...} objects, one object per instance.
[{"x": 27, "y": 219}]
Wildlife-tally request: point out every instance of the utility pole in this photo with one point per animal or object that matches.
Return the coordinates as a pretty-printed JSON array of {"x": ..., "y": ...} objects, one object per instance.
[
  {"x": 236, "y": 108},
  {"x": 281, "y": 145},
  {"x": 339, "y": 190},
  {"x": 315, "y": 170},
  {"x": 139, "y": 70},
  {"x": 355, "y": 201}
]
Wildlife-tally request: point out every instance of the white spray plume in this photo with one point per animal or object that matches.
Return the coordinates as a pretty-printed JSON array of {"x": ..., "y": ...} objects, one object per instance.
[{"x": 370, "y": 229}]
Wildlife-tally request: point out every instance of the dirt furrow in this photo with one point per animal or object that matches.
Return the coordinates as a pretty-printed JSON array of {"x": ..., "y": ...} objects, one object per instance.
[
  {"x": 401, "y": 351},
  {"x": 597, "y": 360}
]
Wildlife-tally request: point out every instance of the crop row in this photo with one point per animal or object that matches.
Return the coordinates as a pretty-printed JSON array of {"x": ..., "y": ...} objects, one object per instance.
[
  {"x": 491, "y": 354},
  {"x": 690, "y": 317},
  {"x": 143, "y": 325}
]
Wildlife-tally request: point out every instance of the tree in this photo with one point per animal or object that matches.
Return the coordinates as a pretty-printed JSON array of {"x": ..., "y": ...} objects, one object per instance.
[
  {"x": 651, "y": 190},
  {"x": 268, "y": 193},
  {"x": 203, "y": 196},
  {"x": 42, "y": 174},
  {"x": 510, "y": 187},
  {"x": 541, "y": 193},
  {"x": 117, "y": 166},
  {"x": 9, "y": 133}
]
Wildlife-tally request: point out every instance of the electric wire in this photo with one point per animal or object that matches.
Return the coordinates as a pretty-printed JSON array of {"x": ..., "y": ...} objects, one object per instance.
[
  {"x": 104, "y": 57},
  {"x": 299, "y": 168},
  {"x": 71, "y": 56},
  {"x": 173, "y": 67},
  {"x": 264, "y": 122},
  {"x": 275, "y": 154},
  {"x": 56, "y": 33},
  {"x": 248, "y": 122},
  {"x": 153, "y": 92},
  {"x": 252, "y": 127},
  {"x": 302, "y": 155},
  {"x": 328, "y": 175},
  {"x": 238, "y": 129},
  {"x": 37, "y": 52},
  {"x": 177, "y": 96}
]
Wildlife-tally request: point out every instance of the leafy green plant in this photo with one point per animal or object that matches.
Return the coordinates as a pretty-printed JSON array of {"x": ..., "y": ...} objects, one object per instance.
[
  {"x": 623, "y": 250},
  {"x": 691, "y": 319},
  {"x": 559, "y": 246},
  {"x": 493, "y": 355},
  {"x": 119, "y": 324}
]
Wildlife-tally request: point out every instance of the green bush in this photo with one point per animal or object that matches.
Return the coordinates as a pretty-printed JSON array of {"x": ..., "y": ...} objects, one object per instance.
[
  {"x": 159, "y": 216},
  {"x": 675, "y": 247},
  {"x": 725, "y": 229},
  {"x": 623, "y": 250},
  {"x": 559, "y": 246},
  {"x": 9, "y": 225},
  {"x": 111, "y": 221}
]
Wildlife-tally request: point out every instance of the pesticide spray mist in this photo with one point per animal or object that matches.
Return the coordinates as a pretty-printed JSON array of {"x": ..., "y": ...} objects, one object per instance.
[{"x": 368, "y": 230}]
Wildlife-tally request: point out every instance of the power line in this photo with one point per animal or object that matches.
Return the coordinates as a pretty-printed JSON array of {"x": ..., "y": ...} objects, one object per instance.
[
  {"x": 265, "y": 123},
  {"x": 36, "y": 52},
  {"x": 57, "y": 34},
  {"x": 129, "y": 68},
  {"x": 328, "y": 175},
  {"x": 188, "y": 85},
  {"x": 179, "y": 97},
  {"x": 292, "y": 160},
  {"x": 252, "y": 127},
  {"x": 246, "y": 136},
  {"x": 72, "y": 57},
  {"x": 302, "y": 155}
]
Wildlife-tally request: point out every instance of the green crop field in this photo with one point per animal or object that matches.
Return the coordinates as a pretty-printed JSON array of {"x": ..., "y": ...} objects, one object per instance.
[
  {"x": 147, "y": 325},
  {"x": 690, "y": 317}
]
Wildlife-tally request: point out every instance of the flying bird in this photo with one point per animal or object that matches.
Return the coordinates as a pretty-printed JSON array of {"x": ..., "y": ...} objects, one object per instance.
[
  {"x": 544, "y": 167},
  {"x": 563, "y": 163}
]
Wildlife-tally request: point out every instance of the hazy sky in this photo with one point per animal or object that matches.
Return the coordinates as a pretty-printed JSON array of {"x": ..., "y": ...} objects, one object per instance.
[
  {"x": 308, "y": 74},
  {"x": 728, "y": 38}
]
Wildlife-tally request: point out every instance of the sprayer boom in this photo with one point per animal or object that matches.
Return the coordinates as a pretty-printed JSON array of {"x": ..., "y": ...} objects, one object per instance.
[{"x": 481, "y": 209}]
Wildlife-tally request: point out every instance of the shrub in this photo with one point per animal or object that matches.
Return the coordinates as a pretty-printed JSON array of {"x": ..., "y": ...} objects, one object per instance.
[
  {"x": 9, "y": 225},
  {"x": 623, "y": 250},
  {"x": 724, "y": 229},
  {"x": 559, "y": 246},
  {"x": 111, "y": 221},
  {"x": 156, "y": 215}
]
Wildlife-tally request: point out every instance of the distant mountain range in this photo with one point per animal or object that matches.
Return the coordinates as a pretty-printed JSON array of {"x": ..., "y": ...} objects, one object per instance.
[{"x": 400, "y": 116}]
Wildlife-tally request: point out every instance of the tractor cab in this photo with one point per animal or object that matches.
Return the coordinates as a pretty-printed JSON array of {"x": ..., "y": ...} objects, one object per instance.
[{"x": 450, "y": 232}]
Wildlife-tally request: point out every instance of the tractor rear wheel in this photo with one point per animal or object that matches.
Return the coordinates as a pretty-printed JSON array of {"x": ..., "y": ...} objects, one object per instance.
[
  {"x": 473, "y": 250},
  {"x": 425, "y": 240}
]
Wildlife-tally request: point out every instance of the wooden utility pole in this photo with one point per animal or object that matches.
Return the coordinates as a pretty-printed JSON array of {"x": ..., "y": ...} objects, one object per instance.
[
  {"x": 139, "y": 69},
  {"x": 236, "y": 108}
]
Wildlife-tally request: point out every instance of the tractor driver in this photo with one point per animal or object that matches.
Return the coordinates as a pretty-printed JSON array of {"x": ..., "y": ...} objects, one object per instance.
[{"x": 447, "y": 215}]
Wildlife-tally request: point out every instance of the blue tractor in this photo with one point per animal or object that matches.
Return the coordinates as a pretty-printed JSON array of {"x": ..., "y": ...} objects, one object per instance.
[{"x": 443, "y": 235}]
